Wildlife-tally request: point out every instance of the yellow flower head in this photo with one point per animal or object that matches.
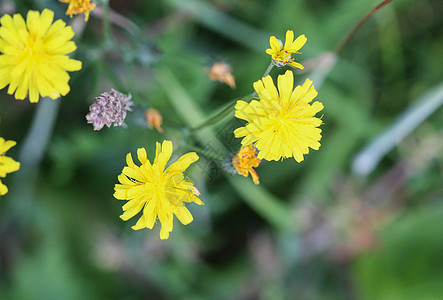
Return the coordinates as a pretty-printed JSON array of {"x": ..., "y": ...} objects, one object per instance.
[
  {"x": 158, "y": 191},
  {"x": 245, "y": 160},
  {"x": 282, "y": 123},
  {"x": 7, "y": 164},
  {"x": 78, "y": 7},
  {"x": 33, "y": 55},
  {"x": 282, "y": 57}
]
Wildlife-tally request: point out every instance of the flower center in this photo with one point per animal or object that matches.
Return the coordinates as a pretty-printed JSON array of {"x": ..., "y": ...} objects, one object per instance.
[
  {"x": 33, "y": 50},
  {"x": 283, "y": 58}
]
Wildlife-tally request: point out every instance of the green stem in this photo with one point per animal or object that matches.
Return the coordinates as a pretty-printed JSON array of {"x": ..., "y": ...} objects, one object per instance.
[
  {"x": 110, "y": 75},
  {"x": 339, "y": 47},
  {"x": 268, "y": 70},
  {"x": 31, "y": 153},
  {"x": 204, "y": 152},
  {"x": 38, "y": 136},
  {"x": 229, "y": 108},
  {"x": 226, "y": 111},
  {"x": 107, "y": 33}
]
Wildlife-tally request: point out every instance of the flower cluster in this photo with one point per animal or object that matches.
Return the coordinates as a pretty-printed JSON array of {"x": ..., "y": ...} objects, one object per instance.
[
  {"x": 109, "y": 109},
  {"x": 158, "y": 191},
  {"x": 33, "y": 55},
  {"x": 7, "y": 164},
  {"x": 280, "y": 123}
]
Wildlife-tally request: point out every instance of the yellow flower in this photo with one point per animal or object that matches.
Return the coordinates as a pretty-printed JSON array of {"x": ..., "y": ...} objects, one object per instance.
[
  {"x": 33, "y": 55},
  {"x": 245, "y": 160},
  {"x": 158, "y": 191},
  {"x": 282, "y": 123},
  {"x": 78, "y": 7},
  {"x": 282, "y": 57},
  {"x": 7, "y": 164}
]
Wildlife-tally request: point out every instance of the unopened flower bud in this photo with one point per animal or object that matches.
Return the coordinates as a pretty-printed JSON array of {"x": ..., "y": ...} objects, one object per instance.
[
  {"x": 222, "y": 72},
  {"x": 154, "y": 119}
]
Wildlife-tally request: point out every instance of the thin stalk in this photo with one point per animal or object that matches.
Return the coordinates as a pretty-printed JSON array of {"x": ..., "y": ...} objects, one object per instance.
[
  {"x": 205, "y": 153},
  {"x": 340, "y": 46},
  {"x": 31, "y": 153},
  {"x": 222, "y": 114},
  {"x": 110, "y": 75},
  {"x": 268, "y": 70},
  {"x": 230, "y": 107},
  {"x": 107, "y": 33}
]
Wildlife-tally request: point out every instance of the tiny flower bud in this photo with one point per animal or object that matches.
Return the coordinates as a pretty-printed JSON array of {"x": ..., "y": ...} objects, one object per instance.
[
  {"x": 154, "y": 119},
  {"x": 222, "y": 72}
]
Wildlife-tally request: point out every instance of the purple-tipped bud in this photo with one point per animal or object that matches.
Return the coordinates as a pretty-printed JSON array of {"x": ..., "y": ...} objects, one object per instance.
[{"x": 109, "y": 108}]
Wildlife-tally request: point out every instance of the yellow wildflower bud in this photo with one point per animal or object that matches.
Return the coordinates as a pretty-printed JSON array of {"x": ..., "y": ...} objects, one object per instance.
[{"x": 245, "y": 160}]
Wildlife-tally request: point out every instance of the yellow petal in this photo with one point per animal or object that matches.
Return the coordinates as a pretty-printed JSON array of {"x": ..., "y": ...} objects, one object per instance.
[
  {"x": 3, "y": 189},
  {"x": 275, "y": 44},
  {"x": 142, "y": 155},
  {"x": 183, "y": 215},
  {"x": 141, "y": 223},
  {"x": 285, "y": 86},
  {"x": 289, "y": 39},
  {"x": 297, "y": 44},
  {"x": 183, "y": 162},
  {"x": 296, "y": 65}
]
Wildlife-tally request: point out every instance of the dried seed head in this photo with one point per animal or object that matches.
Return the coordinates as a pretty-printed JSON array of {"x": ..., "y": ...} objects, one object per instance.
[{"x": 109, "y": 109}]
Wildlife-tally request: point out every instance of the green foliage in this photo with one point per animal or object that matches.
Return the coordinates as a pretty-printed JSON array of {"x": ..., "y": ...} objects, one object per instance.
[{"x": 407, "y": 263}]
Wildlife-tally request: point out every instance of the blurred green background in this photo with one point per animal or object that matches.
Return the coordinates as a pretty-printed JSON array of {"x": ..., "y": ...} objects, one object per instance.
[{"x": 331, "y": 227}]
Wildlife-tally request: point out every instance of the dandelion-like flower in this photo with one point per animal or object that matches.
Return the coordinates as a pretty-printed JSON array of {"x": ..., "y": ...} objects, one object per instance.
[
  {"x": 33, "y": 55},
  {"x": 245, "y": 160},
  {"x": 154, "y": 119},
  {"x": 79, "y": 6},
  {"x": 282, "y": 123},
  {"x": 158, "y": 191},
  {"x": 7, "y": 164},
  {"x": 283, "y": 56},
  {"x": 109, "y": 109},
  {"x": 222, "y": 72}
]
